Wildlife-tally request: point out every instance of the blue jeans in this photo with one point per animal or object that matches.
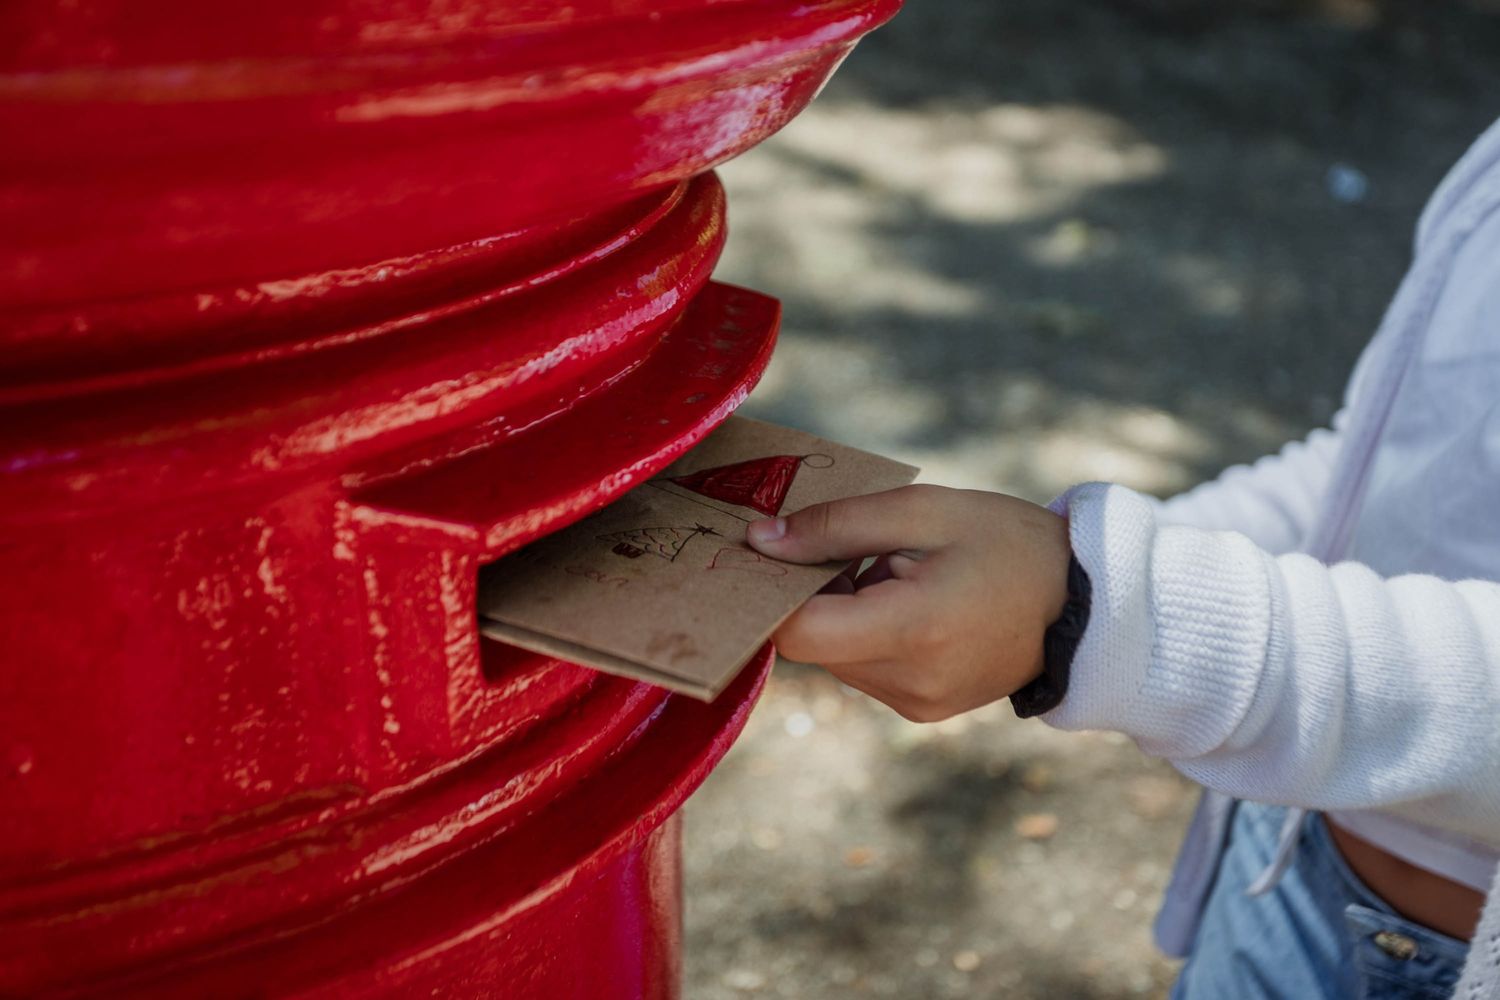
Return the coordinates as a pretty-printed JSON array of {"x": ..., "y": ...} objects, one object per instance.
[{"x": 1320, "y": 934}]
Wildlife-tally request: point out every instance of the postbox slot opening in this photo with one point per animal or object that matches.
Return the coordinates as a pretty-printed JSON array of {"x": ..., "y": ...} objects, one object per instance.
[{"x": 500, "y": 663}]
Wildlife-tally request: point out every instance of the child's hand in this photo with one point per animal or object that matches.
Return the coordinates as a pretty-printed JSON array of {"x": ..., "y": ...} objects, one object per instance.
[{"x": 950, "y": 617}]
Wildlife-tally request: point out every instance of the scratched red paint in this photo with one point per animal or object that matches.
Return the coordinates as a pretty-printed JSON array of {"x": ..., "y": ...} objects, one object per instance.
[{"x": 308, "y": 308}]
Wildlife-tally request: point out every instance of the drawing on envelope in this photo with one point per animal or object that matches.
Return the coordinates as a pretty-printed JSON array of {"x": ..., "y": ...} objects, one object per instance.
[{"x": 637, "y": 589}]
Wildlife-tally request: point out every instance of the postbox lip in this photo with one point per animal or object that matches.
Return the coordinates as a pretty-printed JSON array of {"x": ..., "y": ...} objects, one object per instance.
[
  {"x": 282, "y": 421},
  {"x": 169, "y": 337},
  {"x": 217, "y": 175},
  {"x": 693, "y": 379},
  {"x": 518, "y": 64}
]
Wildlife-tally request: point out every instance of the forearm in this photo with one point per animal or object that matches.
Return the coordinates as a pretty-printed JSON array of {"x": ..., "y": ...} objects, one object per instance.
[
  {"x": 1272, "y": 502},
  {"x": 1283, "y": 680}
]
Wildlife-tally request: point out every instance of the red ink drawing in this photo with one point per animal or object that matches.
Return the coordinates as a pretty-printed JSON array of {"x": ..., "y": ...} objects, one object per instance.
[
  {"x": 664, "y": 542},
  {"x": 746, "y": 561},
  {"x": 760, "y": 483}
]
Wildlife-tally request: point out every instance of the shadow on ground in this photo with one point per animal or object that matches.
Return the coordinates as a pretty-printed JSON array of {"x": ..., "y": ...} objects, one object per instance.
[
  {"x": 1021, "y": 239},
  {"x": 1025, "y": 244}
]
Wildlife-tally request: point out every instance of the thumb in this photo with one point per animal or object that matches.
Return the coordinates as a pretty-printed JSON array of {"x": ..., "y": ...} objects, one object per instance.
[{"x": 852, "y": 528}]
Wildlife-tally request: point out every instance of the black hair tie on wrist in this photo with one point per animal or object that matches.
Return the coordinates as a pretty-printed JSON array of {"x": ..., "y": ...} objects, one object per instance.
[{"x": 1059, "y": 643}]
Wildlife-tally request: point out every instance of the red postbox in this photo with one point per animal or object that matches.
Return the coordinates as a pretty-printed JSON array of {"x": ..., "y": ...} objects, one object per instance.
[{"x": 308, "y": 309}]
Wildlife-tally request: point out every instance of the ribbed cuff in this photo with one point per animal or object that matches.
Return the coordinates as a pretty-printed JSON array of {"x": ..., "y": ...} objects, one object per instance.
[{"x": 1178, "y": 628}]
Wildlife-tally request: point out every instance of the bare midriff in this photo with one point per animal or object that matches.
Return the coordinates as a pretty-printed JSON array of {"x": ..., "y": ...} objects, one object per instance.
[{"x": 1418, "y": 895}]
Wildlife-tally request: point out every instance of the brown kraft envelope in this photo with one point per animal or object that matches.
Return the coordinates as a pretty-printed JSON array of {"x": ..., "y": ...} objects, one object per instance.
[{"x": 660, "y": 585}]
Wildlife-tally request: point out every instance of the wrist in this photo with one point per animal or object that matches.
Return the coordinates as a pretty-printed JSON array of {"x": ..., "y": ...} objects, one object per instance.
[{"x": 1059, "y": 645}]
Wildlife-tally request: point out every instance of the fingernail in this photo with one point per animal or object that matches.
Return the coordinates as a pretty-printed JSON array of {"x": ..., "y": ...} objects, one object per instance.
[{"x": 768, "y": 530}]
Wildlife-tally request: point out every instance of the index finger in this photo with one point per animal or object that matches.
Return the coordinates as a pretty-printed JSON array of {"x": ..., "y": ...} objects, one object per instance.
[{"x": 850, "y": 628}]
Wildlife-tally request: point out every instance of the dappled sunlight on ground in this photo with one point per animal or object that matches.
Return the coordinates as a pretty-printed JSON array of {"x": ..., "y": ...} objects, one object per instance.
[
  {"x": 845, "y": 847},
  {"x": 1024, "y": 244}
]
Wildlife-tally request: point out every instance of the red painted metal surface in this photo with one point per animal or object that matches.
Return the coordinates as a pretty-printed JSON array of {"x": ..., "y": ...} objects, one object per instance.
[{"x": 308, "y": 309}]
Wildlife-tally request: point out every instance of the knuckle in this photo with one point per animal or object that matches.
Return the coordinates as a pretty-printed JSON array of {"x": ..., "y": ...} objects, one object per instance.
[
  {"x": 793, "y": 642},
  {"x": 830, "y": 520},
  {"x": 922, "y": 710},
  {"x": 942, "y": 713},
  {"x": 817, "y": 524},
  {"x": 923, "y": 495},
  {"x": 926, "y": 686},
  {"x": 908, "y": 711}
]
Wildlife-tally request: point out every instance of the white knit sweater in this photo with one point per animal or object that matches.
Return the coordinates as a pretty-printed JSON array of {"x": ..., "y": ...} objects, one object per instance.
[{"x": 1323, "y": 629}]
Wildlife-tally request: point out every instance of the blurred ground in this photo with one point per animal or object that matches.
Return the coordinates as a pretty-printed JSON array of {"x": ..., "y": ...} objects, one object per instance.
[{"x": 1024, "y": 243}]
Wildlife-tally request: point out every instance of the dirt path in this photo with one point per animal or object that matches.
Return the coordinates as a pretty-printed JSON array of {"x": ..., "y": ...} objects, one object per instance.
[{"x": 1024, "y": 244}]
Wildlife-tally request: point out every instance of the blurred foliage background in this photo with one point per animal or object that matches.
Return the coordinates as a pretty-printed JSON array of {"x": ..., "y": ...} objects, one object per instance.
[{"x": 1026, "y": 243}]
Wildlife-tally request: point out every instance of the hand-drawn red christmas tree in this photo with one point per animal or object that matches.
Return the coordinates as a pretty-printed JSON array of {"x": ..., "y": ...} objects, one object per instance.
[
  {"x": 665, "y": 542},
  {"x": 760, "y": 483}
]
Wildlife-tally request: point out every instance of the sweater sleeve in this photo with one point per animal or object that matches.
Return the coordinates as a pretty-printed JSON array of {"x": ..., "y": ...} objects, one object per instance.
[
  {"x": 1273, "y": 502},
  {"x": 1284, "y": 680}
]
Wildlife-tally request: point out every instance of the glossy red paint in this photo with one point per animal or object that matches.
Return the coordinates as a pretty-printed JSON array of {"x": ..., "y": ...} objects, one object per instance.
[
  {"x": 164, "y": 144},
  {"x": 308, "y": 309}
]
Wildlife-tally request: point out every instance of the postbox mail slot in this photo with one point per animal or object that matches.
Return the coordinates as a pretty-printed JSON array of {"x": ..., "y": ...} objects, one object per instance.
[
  {"x": 557, "y": 470},
  {"x": 424, "y": 537}
]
